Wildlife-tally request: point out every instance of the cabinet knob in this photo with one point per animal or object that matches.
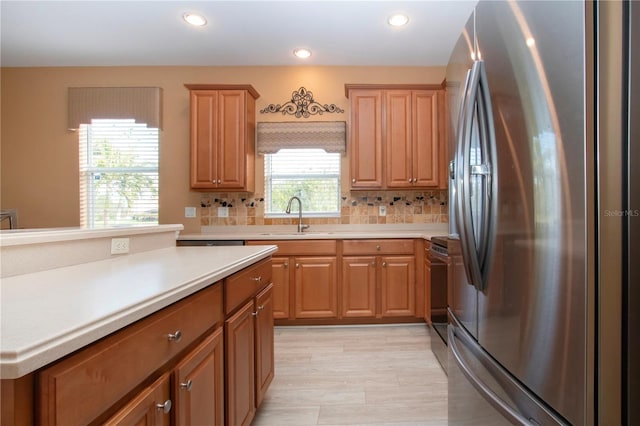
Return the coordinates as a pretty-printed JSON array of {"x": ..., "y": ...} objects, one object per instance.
[
  {"x": 415, "y": 180},
  {"x": 285, "y": 264},
  {"x": 297, "y": 265},
  {"x": 261, "y": 308},
  {"x": 410, "y": 180},
  {"x": 255, "y": 314},
  {"x": 166, "y": 407},
  {"x": 175, "y": 337},
  {"x": 353, "y": 180},
  {"x": 373, "y": 263},
  {"x": 187, "y": 385},
  {"x": 258, "y": 279},
  {"x": 378, "y": 248},
  {"x": 384, "y": 264}
]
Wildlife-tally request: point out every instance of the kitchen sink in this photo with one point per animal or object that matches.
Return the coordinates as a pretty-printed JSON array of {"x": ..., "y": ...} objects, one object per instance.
[{"x": 301, "y": 234}]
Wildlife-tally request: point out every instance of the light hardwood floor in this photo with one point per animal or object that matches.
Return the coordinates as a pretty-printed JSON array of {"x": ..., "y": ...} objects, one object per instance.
[{"x": 372, "y": 375}]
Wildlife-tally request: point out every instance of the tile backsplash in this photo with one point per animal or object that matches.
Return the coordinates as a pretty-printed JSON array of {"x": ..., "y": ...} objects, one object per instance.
[{"x": 356, "y": 208}]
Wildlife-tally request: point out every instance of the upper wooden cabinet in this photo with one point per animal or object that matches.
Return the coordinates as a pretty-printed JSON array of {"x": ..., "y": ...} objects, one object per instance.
[
  {"x": 396, "y": 139},
  {"x": 365, "y": 132},
  {"x": 222, "y": 138}
]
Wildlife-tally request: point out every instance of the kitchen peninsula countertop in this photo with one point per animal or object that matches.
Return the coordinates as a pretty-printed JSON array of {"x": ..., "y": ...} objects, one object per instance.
[
  {"x": 48, "y": 314},
  {"x": 329, "y": 232}
]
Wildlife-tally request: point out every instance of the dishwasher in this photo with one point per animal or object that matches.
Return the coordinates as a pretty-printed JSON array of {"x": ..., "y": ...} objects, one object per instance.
[{"x": 208, "y": 243}]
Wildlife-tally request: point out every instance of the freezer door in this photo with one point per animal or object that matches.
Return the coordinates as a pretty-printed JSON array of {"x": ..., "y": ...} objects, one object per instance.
[
  {"x": 532, "y": 315},
  {"x": 481, "y": 392}
]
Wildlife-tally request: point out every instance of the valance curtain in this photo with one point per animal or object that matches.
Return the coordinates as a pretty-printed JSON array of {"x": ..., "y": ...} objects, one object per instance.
[
  {"x": 328, "y": 135},
  {"x": 144, "y": 104}
]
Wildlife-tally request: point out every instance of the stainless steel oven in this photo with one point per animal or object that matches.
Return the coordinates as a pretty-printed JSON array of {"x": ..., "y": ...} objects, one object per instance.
[{"x": 439, "y": 257}]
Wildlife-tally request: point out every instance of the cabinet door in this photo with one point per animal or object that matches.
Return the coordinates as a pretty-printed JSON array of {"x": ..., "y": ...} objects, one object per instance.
[
  {"x": 316, "y": 287},
  {"x": 366, "y": 139},
  {"x": 264, "y": 342},
  {"x": 398, "y": 143},
  {"x": 359, "y": 287},
  {"x": 151, "y": 407},
  {"x": 198, "y": 387},
  {"x": 204, "y": 139},
  {"x": 239, "y": 348},
  {"x": 280, "y": 279},
  {"x": 231, "y": 139},
  {"x": 398, "y": 286},
  {"x": 426, "y": 157}
]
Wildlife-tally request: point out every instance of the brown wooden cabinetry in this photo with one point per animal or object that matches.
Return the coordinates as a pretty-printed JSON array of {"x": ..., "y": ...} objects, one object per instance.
[
  {"x": 365, "y": 131},
  {"x": 396, "y": 140},
  {"x": 167, "y": 368},
  {"x": 305, "y": 279},
  {"x": 411, "y": 137},
  {"x": 151, "y": 407},
  {"x": 248, "y": 342},
  {"x": 376, "y": 282},
  {"x": 222, "y": 137}
]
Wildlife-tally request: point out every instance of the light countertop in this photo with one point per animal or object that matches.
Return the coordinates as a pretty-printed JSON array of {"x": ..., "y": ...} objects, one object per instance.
[
  {"x": 332, "y": 232},
  {"x": 48, "y": 314}
]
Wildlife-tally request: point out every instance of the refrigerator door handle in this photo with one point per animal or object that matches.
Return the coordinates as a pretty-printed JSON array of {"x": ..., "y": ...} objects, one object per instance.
[
  {"x": 505, "y": 409},
  {"x": 475, "y": 252},
  {"x": 463, "y": 207}
]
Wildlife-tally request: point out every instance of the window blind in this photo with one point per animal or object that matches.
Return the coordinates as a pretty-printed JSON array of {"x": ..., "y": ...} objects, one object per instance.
[
  {"x": 118, "y": 173},
  {"x": 313, "y": 175},
  {"x": 327, "y": 135},
  {"x": 143, "y": 104}
]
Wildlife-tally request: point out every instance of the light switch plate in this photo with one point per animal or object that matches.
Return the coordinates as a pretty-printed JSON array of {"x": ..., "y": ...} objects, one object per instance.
[
  {"x": 382, "y": 211},
  {"x": 223, "y": 211},
  {"x": 119, "y": 245},
  {"x": 189, "y": 212}
]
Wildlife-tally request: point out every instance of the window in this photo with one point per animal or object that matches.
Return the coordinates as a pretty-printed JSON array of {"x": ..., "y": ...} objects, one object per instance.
[
  {"x": 312, "y": 175},
  {"x": 118, "y": 173}
]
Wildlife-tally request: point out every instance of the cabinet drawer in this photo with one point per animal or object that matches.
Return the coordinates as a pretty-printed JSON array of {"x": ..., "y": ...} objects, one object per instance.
[
  {"x": 244, "y": 284},
  {"x": 382, "y": 246},
  {"x": 81, "y": 387},
  {"x": 302, "y": 247}
]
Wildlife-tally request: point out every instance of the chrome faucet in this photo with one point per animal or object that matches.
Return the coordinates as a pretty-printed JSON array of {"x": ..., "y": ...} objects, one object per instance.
[{"x": 301, "y": 227}]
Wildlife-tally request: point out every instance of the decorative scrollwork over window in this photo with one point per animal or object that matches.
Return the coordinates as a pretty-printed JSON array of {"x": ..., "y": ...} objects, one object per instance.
[{"x": 302, "y": 104}]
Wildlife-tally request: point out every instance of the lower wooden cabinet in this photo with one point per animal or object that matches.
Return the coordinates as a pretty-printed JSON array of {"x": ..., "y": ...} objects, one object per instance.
[
  {"x": 151, "y": 407},
  {"x": 359, "y": 287},
  {"x": 198, "y": 384},
  {"x": 240, "y": 353},
  {"x": 249, "y": 356},
  {"x": 316, "y": 287},
  {"x": 280, "y": 278},
  {"x": 397, "y": 286}
]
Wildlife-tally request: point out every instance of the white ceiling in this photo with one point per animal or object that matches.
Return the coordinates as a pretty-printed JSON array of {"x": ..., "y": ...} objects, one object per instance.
[{"x": 120, "y": 33}]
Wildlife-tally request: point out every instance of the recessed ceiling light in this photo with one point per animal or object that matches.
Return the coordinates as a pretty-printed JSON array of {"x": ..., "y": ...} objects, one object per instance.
[
  {"x": 398, "y": 20},
  {"x": 302, "y": 53},
  {"x": 195, "y": 19}
]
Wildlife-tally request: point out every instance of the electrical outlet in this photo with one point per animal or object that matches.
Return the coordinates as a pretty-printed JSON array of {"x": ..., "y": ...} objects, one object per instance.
[
  {"x": 382, "y": 211},
  {"x": 189, "y": 212},
  {"x": 223, "y": 211},
  {"x": 119, "y": 245}
]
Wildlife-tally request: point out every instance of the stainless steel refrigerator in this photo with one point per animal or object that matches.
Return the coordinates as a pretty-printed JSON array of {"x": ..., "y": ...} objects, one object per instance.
[{"x": 541, "y": 327}]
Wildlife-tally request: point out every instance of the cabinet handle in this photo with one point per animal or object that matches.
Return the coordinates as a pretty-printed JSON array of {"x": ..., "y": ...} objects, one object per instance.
[
  {"x": 261, "y": 308},
  {"x": 166, "y": 407},
  {"x": 353, "y": 180},
  {"x": 175, "y": 336},
  {"x": 255, "y": 314},
  {"x": 384, "y": 264},
  {"x": 378, "y": 248},
  {"x": 187, "y": 385},
  {"x": 297, "y": 265},
  {"x": 258, "y": 279}
]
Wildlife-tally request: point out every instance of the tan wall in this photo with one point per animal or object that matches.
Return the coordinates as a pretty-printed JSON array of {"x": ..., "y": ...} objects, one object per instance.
[{"x": 39, "y": 155}]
